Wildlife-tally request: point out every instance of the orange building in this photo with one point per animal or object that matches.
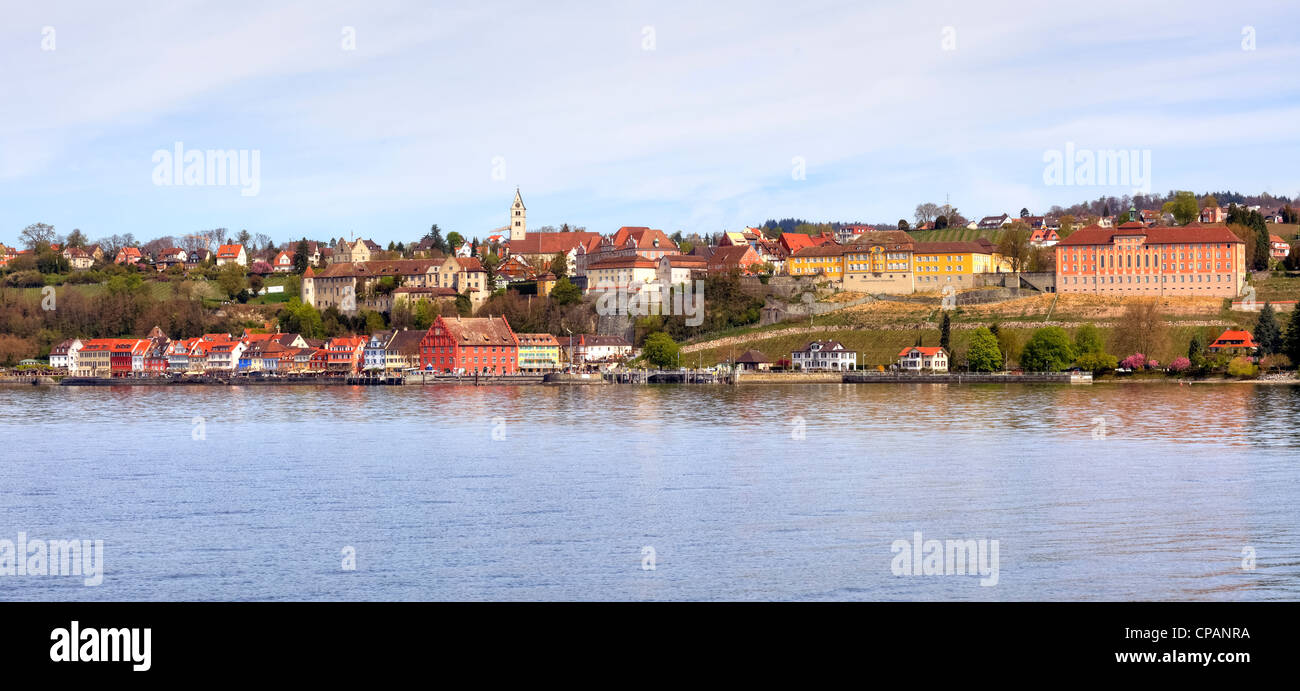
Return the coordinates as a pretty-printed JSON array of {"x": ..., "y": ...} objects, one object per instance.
[{"x": 1135, "y": 260}]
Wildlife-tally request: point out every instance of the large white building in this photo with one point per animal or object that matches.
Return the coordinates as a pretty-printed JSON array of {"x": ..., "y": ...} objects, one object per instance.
[{"x": 824, "y": 355}]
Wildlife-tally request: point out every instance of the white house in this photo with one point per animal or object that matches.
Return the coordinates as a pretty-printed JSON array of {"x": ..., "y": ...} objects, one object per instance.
[
  {"x": 232, "y": 254},
  {"x": 918, "y": 358},
  {"x": 224, "y": 356},
  {"x": 375, "y": 354},
  {"x": 824, "y": 355},
  {"x": 64, "y": 355}
]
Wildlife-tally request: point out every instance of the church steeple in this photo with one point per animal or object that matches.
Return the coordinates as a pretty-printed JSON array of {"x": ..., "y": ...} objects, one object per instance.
[{"x": 518, "y": 218}]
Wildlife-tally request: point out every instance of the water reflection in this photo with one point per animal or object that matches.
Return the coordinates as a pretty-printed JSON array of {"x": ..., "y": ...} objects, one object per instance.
[{"x": 750, "y": 492}]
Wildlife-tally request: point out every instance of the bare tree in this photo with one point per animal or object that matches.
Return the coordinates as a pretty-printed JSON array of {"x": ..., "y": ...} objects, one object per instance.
[
  {"x": 1014, "y": 244},
  {"x": 37, "y": 234},
  {"x": 926, "y": 213}
]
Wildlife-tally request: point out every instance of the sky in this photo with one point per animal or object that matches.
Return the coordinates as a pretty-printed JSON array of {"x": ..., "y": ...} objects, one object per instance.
[{"x": 379, "y": 118}]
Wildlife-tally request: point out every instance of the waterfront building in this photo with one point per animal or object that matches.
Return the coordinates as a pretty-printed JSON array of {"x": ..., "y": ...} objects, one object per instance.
[
  {"x": 824, "y": 355},
  {"x": 344, "y": 353},
  {"x": 64, "y": 355},
  {"x": 538, "y": 353},
  {"x": 403, "y": 350},
  {"x": 923, "y": 358},
  {"x": 375, "y": 355},
  {"x": 467, "y": 345},
  {"x": 753, "y": 360}
]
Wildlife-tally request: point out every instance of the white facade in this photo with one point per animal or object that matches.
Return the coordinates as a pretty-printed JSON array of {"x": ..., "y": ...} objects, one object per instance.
[
  {"x": 918, "y": 359},
  {"x": 824, "y": 355},
  {"x": 66, "y": 360}
]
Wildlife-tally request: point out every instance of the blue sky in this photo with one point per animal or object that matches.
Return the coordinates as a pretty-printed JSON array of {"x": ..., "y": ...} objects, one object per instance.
[{"x": 680, "y": 116}]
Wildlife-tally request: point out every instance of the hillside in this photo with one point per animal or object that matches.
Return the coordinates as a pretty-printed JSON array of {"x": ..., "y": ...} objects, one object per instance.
[{"x": 879, "y": 330}]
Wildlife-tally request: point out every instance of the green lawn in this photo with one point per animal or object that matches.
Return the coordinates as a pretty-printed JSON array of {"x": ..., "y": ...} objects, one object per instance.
[
  {"x": 962, "y": 234},
  {"x": 1277, "y": 287}
]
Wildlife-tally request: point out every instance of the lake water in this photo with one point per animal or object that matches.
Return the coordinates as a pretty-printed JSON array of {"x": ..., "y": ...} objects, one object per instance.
[{"x": 783, "y": 492}]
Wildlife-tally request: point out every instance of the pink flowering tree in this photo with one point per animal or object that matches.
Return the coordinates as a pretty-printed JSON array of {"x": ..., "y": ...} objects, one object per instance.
[
  {"x": 1180, "y": 365},
  {"x": 1153, "y": 364},
  {"x": 1134, "y": 362}
]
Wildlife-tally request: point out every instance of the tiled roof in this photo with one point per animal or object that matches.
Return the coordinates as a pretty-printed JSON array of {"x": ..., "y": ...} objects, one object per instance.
[
  {"x": 822, "y": 251},
  {"x": 406, "y": 342},
  {"x": 1096, "y": 235},
  {"x": 386, "y": 267},
  {"x": 1234, "y": 339},
  {"x": 478, "y": 331},
  {"x": 633, "y": 262},
  {"x": 550, "y": 243},
  {"x": 924, "y": 350},
  {"x": 537, "y": 340},
  {"x": 890, "y": 239}
]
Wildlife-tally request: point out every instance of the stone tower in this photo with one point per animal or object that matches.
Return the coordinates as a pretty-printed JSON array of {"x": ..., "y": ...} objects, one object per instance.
[{"x": 518, "y": 218}]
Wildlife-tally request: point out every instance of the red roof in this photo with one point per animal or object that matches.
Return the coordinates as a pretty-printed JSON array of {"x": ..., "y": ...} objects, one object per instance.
[
  {"x": 550, "y": 243},
  {"x": 643, "y": 238},
  {"x": 925, "y": 350},
  {"x": 1234, "y": 339},
  {"x": 229, "y": 251},
  {"x": 793, "y": 242},
  {"x": 633, "y": 262},
  {"x": 1096, "y": 235}
]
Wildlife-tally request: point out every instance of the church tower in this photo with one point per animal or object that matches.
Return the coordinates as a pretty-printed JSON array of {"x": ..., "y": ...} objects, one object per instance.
[{"x": 518, "y": 218}]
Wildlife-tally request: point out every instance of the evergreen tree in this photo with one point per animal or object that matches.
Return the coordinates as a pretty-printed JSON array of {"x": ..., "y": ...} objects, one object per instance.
[
  {"x": 1196, "y": 351},
  {"x": 300, "y": 258},
  {"x": 1267, "y": 334},
  {"x": 434, "y": 236},
  {"x": 1291, "y": 342},
  {"x": 945, "y": 330}
]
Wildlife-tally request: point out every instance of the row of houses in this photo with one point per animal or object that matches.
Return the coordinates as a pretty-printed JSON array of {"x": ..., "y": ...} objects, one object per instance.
[
  {"x": 382, "y": 284},
  {"x": 485, "y": 345}
]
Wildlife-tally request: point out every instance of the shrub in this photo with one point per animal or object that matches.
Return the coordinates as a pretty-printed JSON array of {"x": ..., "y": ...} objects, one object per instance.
[
  {"x": 25, "y": 279},
  {"x": 1274, "y": 362},
  {"x": 1242, "y": 367},
  {"x": 1180, "y": 365},
  {"x": 1135, "y": 361},
  {"x": 1096, "y": 362}
]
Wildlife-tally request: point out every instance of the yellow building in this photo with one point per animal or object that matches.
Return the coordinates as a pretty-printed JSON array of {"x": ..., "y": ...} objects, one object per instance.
[
  {"x": 938, "y": 264},
  {"x": 538, "y": 353},
  {"x": 879, "y": 262},
  {"x": 827, "y": 260}
]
